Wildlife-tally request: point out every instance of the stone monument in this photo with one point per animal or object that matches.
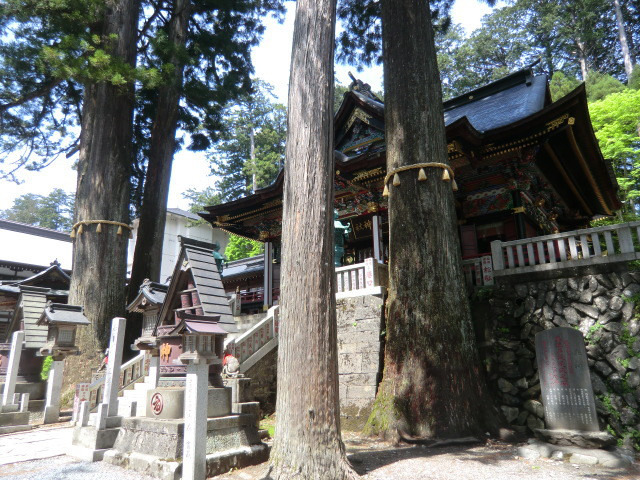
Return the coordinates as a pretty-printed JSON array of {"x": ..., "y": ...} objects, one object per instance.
[{"x": 567, "y": 395}]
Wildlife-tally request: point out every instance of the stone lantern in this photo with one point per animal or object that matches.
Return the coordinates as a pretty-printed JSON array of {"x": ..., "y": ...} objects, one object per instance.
[
  {"x": 62, "y": 321},
  {"x": 202, "y": 345}
]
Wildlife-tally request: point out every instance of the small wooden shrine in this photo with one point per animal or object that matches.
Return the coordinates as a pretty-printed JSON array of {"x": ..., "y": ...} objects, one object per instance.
[
  {"x": 524, "y": 166},
  {"x": 23, "y": 303},
  {"x": 194, "y": 301}
]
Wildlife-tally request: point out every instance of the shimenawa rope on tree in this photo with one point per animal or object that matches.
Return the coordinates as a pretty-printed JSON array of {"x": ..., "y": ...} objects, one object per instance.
[
  {"x": 447, "y": 175},
  {"x": 79, "y": 227}
]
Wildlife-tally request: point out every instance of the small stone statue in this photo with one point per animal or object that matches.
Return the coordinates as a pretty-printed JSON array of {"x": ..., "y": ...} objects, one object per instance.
[
  {"x": 341, "y": 233},
  {"x": 218, "y": 257}
]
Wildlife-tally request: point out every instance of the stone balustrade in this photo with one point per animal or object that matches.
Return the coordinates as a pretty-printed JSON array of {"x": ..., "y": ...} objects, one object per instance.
[
  {"x": 131, "y": 372},
  {"x": 367, "y": 278},
  {"x": 591, "y": 246}
]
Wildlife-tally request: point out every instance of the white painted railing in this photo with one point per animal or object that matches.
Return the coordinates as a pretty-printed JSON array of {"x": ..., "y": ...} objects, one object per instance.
[
  {"x": 591, "y": 246},
  {"x": 478, "y": 272},
  {"x": 130, "y": 372},
  {"x": 257, "y": 337},
  {"x": 361, "y": 278}
]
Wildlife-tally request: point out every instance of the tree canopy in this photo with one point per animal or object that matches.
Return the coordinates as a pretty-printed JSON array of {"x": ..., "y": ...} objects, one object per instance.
[{"x": 54, "y": 211}]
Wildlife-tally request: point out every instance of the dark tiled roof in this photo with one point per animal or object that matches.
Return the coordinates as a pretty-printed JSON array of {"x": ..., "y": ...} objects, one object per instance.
[
  {"x": 183, "y": 213},
  {"x": 62, "y": 313},
  {"x": 197, "y": 257},
  {"x": 197, "y": 324},
  {"x": 508, "y": 102},
  {"x": 244, "y": 266},
  {"x": 52, "y": 275},
  {"x": 155, "y": 294}
]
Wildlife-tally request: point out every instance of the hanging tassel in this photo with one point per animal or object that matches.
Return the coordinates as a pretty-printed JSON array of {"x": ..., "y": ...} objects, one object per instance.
[
  {"x": 454, "y": 186},
  {"x": 396, "y": 180},
  {"x": 422, "y": 176},
  {"x": 445, "y": 175},
  {"x": 73, "y": 233},
  {"x": 80, "y": 229},
  {"x": 99, "y": 228},
  {"x": 120, "y": 230},
  {"x": 385, "y": 192}
]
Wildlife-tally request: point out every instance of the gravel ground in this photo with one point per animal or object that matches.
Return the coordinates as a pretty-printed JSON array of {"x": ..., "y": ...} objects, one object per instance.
[
  {"x": 373, "y": 460},
  {"x": 376, "y": 460},
  {"x": 67, "y": 468}
]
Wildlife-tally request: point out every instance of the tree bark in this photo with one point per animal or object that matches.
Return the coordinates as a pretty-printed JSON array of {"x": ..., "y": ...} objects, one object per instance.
[
  {"x": 147, "y": 258},
  {"x": 624, "y": 44},
  {"x": 307, "y": 443},
  {"x": 104, "y": 166},
  {"x": 433, "y": 385}
]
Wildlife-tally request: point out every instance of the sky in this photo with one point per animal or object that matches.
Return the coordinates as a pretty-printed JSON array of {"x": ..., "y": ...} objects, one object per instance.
[{"x": 271, "y": 61}]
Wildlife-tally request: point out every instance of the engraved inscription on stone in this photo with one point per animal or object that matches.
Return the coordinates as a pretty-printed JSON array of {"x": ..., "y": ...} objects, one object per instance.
[{"x": 567, "y": 394}]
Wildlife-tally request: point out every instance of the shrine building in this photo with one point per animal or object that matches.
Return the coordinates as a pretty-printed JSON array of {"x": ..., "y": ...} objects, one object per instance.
[{"x": 524, "y": 166}]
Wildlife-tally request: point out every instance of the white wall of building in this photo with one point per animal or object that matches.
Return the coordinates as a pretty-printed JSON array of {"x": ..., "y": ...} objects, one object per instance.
[{"x": 179, "y": 223}]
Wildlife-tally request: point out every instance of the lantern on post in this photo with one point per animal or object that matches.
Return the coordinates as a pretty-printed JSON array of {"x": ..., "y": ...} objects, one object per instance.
[
  {"x": 62, "y": 321},
  {"x": 202, "y": 339}
]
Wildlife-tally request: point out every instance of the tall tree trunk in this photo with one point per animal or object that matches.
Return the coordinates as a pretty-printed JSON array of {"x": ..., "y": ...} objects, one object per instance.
[
  {"x": 252, "y": 155},
  {"x": 104, "y": 167},
  {"x": 307, "y": 443},
  {"x": 582, "y": 59},
  {"x": 624, "y": 44},
  {"x": 432, "y": 383},
  {"x": 147, "y": 258}
]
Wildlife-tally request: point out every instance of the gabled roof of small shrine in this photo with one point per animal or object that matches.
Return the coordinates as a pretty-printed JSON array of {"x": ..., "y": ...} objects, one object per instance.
[
  {"x": 150, "y": 293},
  {"x": 196, "y": 262},
  {"x": 196, "y": 324},
  {"x": 61, "y": 313},
  {"x": 53, "y": 277}
]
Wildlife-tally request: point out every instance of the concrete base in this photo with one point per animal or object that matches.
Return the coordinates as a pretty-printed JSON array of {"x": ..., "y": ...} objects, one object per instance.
[
  {"x": 586, "y": 456},
  {"x": 51, "y": 414},
  {"x": 217, "y": 463},
  {"x": 87, "y": 454},
  {"x": 15, "y": 429},
  {"x": 172, "y": 401},
  {"x": 576, "y": 438},
  {"x": 89, "y": 444},
  {"x": 36, "y": 390},
  {"x": 9, "y": 419},
  {"x": 154, "y": 446}
]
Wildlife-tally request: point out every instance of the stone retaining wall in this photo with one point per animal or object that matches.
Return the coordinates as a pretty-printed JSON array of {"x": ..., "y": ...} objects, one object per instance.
[
  {"x": 602, "y": 307},
  {"x": 360, "y": 351}
]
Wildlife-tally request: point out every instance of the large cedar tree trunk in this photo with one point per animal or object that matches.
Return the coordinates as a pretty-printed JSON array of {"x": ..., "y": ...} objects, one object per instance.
[
  {"x": 307, "y": 443},
  {"x": 147, "y": 258},
  {"x": 432, "y": 384},
  {"x": 622, "y": 36},
  {"x": 104, "y": 166}
]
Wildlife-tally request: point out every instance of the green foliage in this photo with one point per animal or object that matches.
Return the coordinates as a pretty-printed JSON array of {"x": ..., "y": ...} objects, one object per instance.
[
  {"x": 198, "y": 199},
  {"x": 240, "y": 247},
  {"x": 253, "y": 117},
  {"x": 599, "y": 85},
  {"x": 46, "y": 367},
  {"x": 606, "y": 401},
  {"x": 634, "y": 81},
  {"x": 615, "y": 122},
  {"x": 592, "y": 330},
  {"x": 561, "y": 84},
  {"x": 54, "y": 211}
]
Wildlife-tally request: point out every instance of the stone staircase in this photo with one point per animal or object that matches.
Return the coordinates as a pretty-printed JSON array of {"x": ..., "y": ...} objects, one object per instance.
[{"x": 250, "y": 347}]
